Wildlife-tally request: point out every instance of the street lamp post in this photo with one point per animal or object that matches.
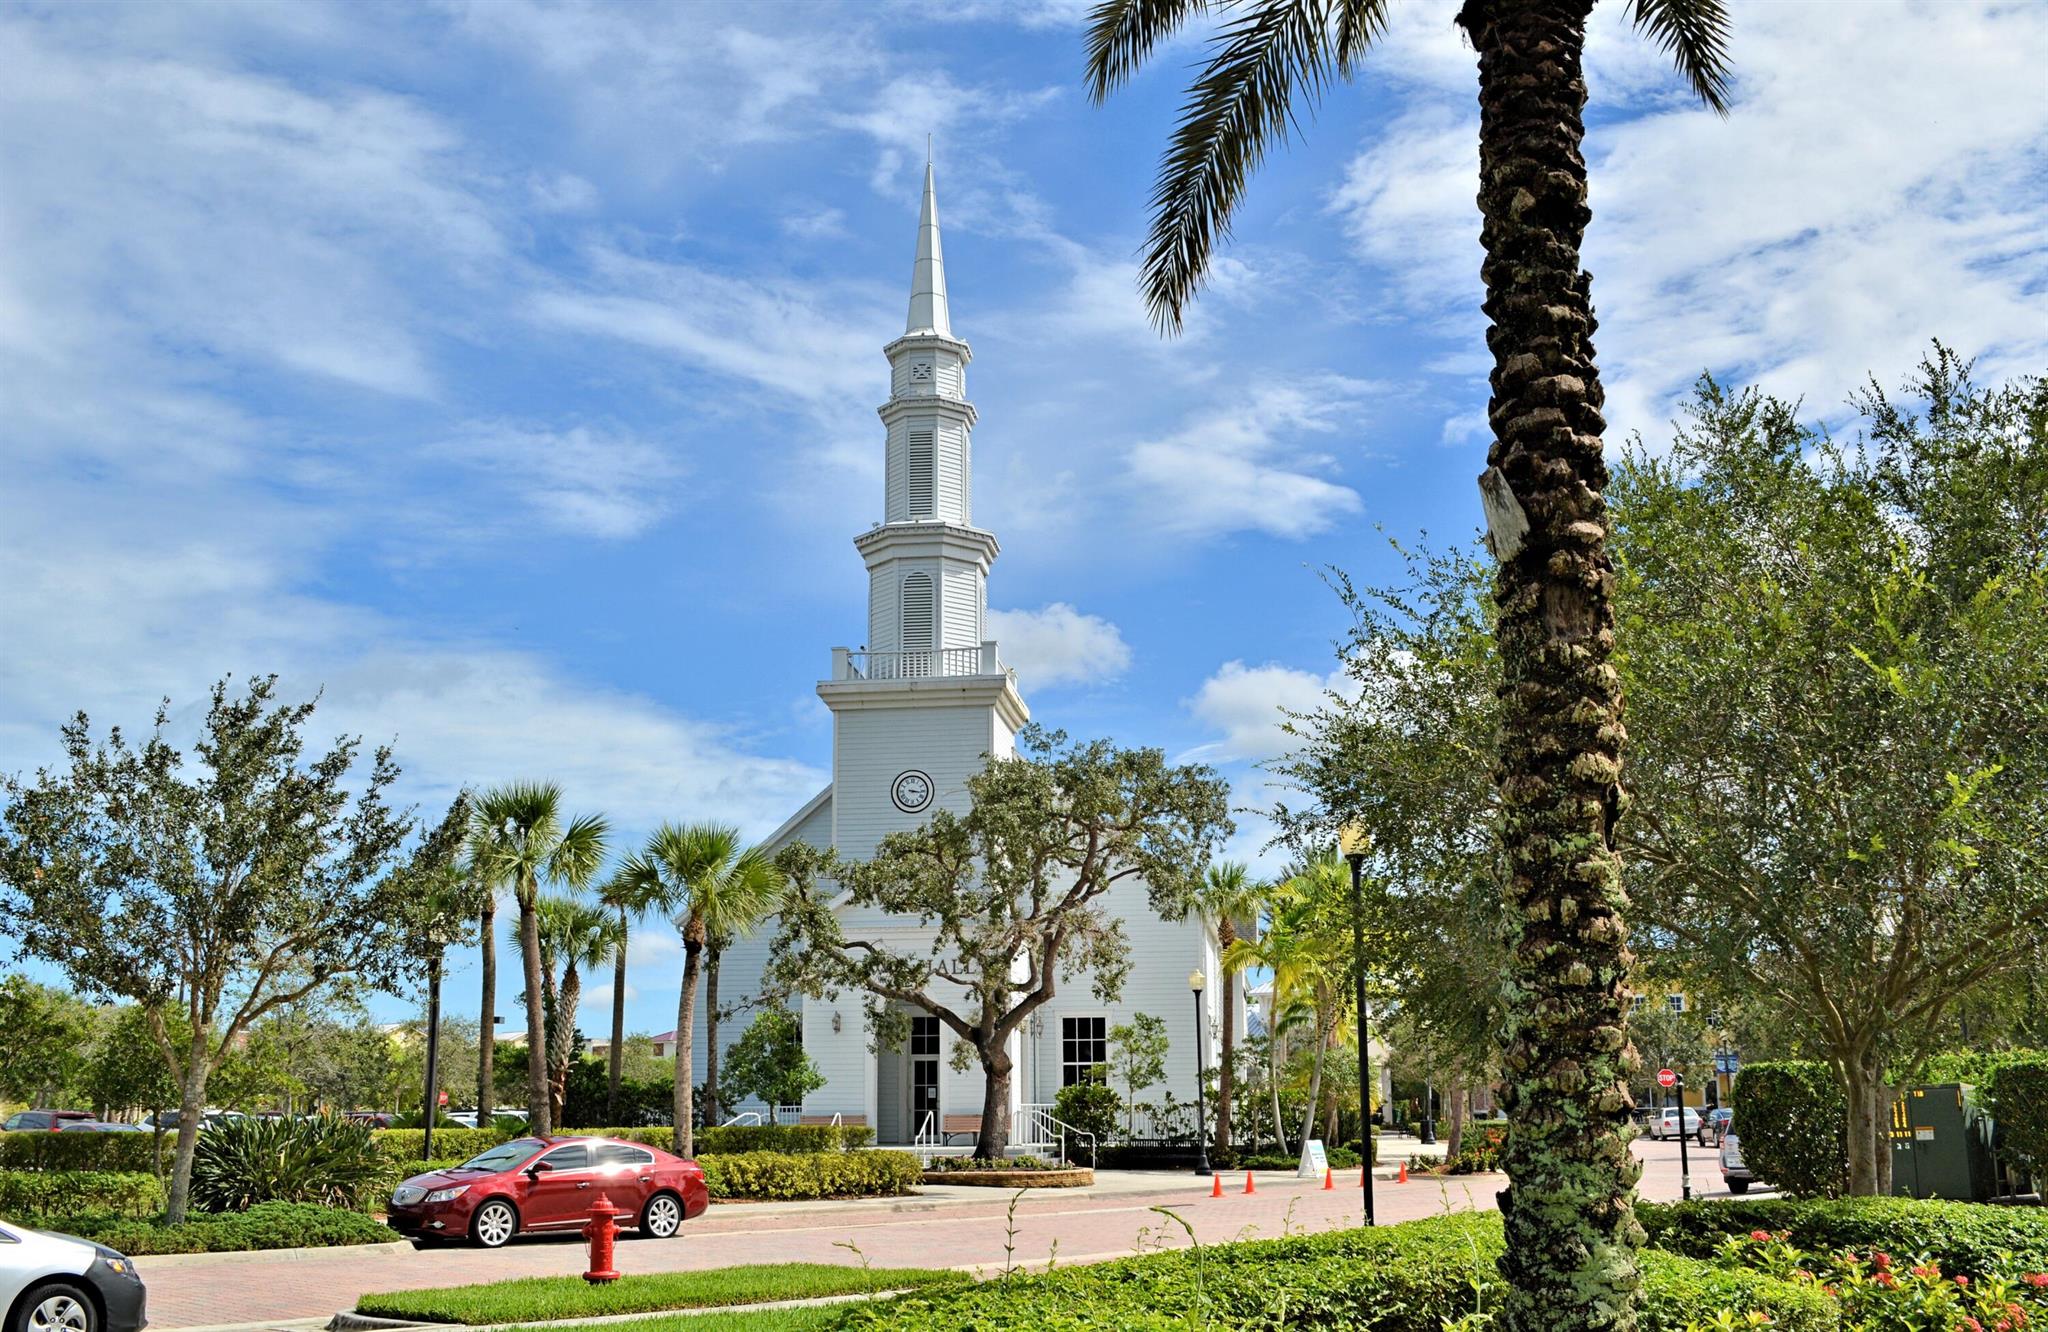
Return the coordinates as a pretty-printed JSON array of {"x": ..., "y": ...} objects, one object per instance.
[
  {"x": 1353, "y": 842},
  {"x": 1197, "y": 979}
]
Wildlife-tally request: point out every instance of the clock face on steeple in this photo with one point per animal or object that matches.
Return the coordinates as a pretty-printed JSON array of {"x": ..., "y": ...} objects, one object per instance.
[{"x": 912, "y": 791}]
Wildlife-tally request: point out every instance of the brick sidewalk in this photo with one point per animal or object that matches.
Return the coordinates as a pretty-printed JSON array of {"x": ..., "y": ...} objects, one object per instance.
[{"x": 255, "y": 1289}]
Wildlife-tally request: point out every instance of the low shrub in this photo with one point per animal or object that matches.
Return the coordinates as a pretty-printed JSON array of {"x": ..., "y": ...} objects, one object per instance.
[
  {"x": 863, "y": 1174},
  {"x": 730, "y": 1138},
  {"x": 1878, "y": 1291},
  {"x": 1478, "y": 1151},
  {"x": 50, "y": 1192},
  {"x": 1794, "y": 1126},
  {"x": 124, "y": 1152},
  {"x": 1965, "y": 1238},
  {"x": 242, "y": 1162},
  {"x": 1089, "y": 1107},
  {"x": 1414, "y": 1277},
  {"x": 405, "y": 1145},
  {"x": 2016, "y": 1094},
  {"x": 1340, "y": 1158},
  {"x": 265, "y": 1226},
  {"x": 1010, "y": 1163},
  {"x": 552, "y": 1297}
]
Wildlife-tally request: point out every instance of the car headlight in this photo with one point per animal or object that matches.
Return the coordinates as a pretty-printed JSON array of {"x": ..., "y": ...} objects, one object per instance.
[{"x": 447, "y": 1195}]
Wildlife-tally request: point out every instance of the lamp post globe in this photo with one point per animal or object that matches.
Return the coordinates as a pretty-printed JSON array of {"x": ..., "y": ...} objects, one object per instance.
[{"x": 1198, "y": 980}]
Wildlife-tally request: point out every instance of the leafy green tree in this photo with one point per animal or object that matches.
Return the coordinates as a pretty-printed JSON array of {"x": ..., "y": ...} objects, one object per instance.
[
  {"x": 710, "y": 885},
  {"x": 1665, "y": 1037},
  {"x": 354, "y": 1066},
  {"x": 248, "y": 884},
  {"x": 43, "y": 1059},
  {"x": 631, "y": 897},
  {"x": 1843, "y": 652},
  {"x": 768, "y": 1061},
  {"x": 1009, "y": 896},
  {"x": 1567, "y": 1210},
  {"x": 574, "y": 935},
  {"x": 518, "y": 838},
  {"x": 1137, "y": 1055},
  {"x": 1229, "y": 895},
  {"x": 126, "y": 1072}
]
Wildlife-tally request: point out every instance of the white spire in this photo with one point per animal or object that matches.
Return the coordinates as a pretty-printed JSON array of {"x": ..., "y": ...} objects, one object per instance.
[{"x": 928, "y": 312}]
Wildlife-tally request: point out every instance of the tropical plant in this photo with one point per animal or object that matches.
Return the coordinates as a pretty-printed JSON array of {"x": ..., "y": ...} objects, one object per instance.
[
  {"x": 630, "y": 896},
  {"x": 1089, "y": 1107},
  {"x": 1568, "y": 1259},
  {"x": 709, "y": 884},
  {"x": 1137, "y": 1054},
  {"x": 518, "y": 838},
  {"x": 574, "y": 934},
  {"x": 1308, "y": 958},
  {"x": 768, "y": 1062},
  {"x": 1228, "y": 895},
  {"x": 243, "y": 1162}
]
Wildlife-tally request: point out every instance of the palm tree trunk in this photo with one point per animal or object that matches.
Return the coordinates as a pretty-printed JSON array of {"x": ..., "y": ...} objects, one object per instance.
[
  {"x": 618, "y": 1050},
  {"x": 686, "y": 1018},
  {"x": 1273, "y": 1080},
  {"x": 1567, "y": 1211},
  {"x": 1226, "y": 1079},
  {"x": 1315, "y": 1082},
  {"x": 538, "y": 1120},
  {"x": 487, "y": 1019},
  {"x": 562, "y": 1046},
  {"x": 711, "y": 956}
]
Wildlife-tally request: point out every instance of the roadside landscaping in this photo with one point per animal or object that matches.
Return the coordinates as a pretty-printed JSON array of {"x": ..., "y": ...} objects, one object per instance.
[
  {"x": 275, "y": 1225},
  {"x": 1010, "y": 1172},
  {"x": 541, "y": 1298}
]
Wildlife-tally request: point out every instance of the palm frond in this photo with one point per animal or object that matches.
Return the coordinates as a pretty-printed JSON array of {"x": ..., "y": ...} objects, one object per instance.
[
  {"x": 1268, "y": 66},
  {"x": 1121, "y": 33},
  {"x": 1359, "y": 25},
  {"x": 1695, "y": 33},
  {"x": 576, "y": 858}
]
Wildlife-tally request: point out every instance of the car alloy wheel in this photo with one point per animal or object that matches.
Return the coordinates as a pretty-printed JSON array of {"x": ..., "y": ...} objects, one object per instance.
[
  {"x": 664, "y": 1217},
  {"x": 61, "y": 1310},
  {"x": 494, "y": 1224}
]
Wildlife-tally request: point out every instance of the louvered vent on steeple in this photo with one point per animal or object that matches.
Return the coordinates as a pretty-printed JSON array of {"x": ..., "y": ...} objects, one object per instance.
[
  {"x": 923, "y": 468},
  {"x": 918, "y": 628}
]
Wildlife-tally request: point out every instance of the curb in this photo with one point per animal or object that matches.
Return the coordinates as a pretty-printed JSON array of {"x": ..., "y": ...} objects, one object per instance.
[
  {"x": 160, "y": 1260},
  {"x": 346, "y": 1321}
]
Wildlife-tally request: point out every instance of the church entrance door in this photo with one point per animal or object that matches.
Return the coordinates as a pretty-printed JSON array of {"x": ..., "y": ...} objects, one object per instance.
[{"x": 924, "y": 1074}]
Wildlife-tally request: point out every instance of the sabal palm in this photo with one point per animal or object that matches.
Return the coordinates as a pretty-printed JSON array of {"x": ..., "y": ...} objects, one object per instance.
[
  {"x": 709, "y": 884},
  {"x": 630, "y": 897},
  {"x": 1307, "y": 962},
  {"x": 1227, "y": 896},
  {"x": 518, "y": 838},
  {"x": 1567, "y": 1263},
  {"x": 575, "y": 935}
]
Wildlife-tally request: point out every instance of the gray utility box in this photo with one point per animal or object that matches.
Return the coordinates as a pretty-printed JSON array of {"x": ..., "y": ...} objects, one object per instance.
[{"x": 1941, "y": 1144}]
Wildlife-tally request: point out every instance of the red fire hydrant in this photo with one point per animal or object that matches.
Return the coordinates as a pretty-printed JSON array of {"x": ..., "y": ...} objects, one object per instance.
[{"x": 601, "y": 1230}]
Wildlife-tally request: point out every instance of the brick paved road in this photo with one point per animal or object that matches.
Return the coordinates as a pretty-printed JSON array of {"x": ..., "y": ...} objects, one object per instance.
[{"x": 254, "y": 1289}]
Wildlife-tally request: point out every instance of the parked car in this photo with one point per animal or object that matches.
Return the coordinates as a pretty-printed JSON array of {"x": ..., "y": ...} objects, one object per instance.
[
  {"x": 61, "y": 1284},
  {"x": 374, "y": 1118},
  {"x": 466, "y": 1118},
  {"x": 548, "y": 1184},
  {"x": 51, "y": 1121},
  {"x": 1734, "y": 1172},
  {"x": 1717, "y": 1122},
  {"x": 168, "y": 1120},
  {"x": 1668, "y": 1124},
  {"x": 103, "y": 1126}
]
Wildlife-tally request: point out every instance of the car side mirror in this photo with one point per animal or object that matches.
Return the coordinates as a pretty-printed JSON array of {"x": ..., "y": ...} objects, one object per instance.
[{"x": 533, "y": 1171}]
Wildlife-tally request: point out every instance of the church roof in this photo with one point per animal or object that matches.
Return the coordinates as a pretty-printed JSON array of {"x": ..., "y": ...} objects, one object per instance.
[{"x": 928, "y": 310}]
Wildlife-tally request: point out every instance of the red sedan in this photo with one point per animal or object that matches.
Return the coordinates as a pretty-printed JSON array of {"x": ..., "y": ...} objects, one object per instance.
[{"x": 549, "y": 1184}]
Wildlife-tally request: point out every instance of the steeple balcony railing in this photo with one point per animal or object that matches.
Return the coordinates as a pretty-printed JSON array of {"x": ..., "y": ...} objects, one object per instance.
[{"x": 925, "y": 664}]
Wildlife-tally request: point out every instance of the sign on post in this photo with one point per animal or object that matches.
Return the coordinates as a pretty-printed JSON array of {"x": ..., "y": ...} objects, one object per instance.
[
  {"x": 1666, "y": 1078},
  {"x": 1314, "y": 1160}
]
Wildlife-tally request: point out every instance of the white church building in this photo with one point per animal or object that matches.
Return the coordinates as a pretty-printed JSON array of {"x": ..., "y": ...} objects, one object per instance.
[{"x": 916, "y": 711}]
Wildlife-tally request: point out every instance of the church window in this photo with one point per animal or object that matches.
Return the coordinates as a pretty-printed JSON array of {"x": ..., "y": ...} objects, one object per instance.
[
  {"x": 923, "y": 478},
  {"x": 918, "y": 627},
  {"x": 1084, "y": 1048}
]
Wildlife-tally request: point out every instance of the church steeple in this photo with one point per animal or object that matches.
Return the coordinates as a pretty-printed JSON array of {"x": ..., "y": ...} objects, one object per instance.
[{"x": 928, "y": 311}]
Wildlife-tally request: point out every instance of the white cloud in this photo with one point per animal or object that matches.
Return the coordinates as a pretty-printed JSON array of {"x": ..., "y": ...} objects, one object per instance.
[
  {"x": 1248, "y": 705},
  {"x": 1242, "y": 468},
  {"x": 816, "y": 224},
  {"x": 584, "y": 481},
  {"x": 1844, "y": 213},
  {"x": 1057, "y": 644}
]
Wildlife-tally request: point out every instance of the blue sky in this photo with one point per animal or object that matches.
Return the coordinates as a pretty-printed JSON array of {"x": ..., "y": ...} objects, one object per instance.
[{"x": 507, "y": 370}]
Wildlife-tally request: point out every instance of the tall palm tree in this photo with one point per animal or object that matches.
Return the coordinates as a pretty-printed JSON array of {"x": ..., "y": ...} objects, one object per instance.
[
  {"x": 1567, "y": 1210},
  {"x": 487, "y": 1014},
  {"x": 630, "y": 897},
  {"x": 574, "y": 934},
  {"x": 1226, "y": 897},
  {"x": 1307, "y": 962},
  {"x": 710, "y": 886},
  {"x": 517, "y": 837}
]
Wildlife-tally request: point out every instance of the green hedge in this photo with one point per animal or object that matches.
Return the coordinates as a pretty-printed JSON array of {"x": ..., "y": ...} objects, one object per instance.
[
  {"x": 2016, "y": 1094},
  {"x": 810, "y": 1174},
  {"x": 404, "y": 1145},
  {"x": 1964, "y": 1238},
  {"x": 1412, "y": 1277},
  {"x": 265, "y": 1226},
  {"x": 528, "y": 1299},
  {"x": 1794, "y": 1126},
  {"x": 83, "y": 1151},
  {"x": 49, "y": 1192}
]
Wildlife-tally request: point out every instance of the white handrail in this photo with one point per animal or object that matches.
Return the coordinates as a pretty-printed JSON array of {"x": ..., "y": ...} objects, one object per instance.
[{"x": 743, "y": 1117}]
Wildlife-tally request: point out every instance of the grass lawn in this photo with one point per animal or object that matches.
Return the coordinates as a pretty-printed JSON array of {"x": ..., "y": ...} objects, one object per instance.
[
  {"x": 812, "y": 1319},
  {"x": 538, "y": 1298}
]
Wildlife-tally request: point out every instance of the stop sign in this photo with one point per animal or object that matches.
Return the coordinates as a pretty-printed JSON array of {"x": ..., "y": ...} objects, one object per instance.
[
  {"x": 1666, "y": 1078},
  {"x": 444, "y": 1098}
]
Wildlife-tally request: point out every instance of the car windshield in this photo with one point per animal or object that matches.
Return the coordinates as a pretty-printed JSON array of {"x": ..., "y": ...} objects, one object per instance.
[{"x": 503, "y": 1156}]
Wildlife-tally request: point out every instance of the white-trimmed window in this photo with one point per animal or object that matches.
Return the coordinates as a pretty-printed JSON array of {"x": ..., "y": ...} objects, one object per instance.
[
  {"x": 1676, "y": 1002},
  {"x": 1084, "y": 1047}
]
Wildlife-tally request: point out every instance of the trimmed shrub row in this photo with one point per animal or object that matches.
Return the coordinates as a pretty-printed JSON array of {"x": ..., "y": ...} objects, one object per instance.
[
  {"x": 56, "y": 1192},
  {"x": 1413, "y": 1277},
  {"x": 1794, "y": 1126},
  {"x": 867, "y": 1174},
  {"x": 125, "y": 1152},
  {"x": 2016, "y": 1094},
  {"x": 404, "y": 1145},
  {"x": 1965, "y": 1238},
  {"x": 265, "y": 1226}
]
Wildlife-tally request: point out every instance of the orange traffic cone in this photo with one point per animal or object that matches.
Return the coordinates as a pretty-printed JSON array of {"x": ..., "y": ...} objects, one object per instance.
[
  {"x": 1328, "y": 1183},
  {"x": 1215, "y": 1186},
  {"x": 1402, "y": 1178},
  {"x": 1249, "y": 1187}
]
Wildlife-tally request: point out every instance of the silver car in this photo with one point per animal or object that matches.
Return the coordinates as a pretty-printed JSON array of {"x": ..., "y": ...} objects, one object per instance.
[
  {"x": 1733, "y": 1171},
  {"x": 60, "y": 1283}
]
